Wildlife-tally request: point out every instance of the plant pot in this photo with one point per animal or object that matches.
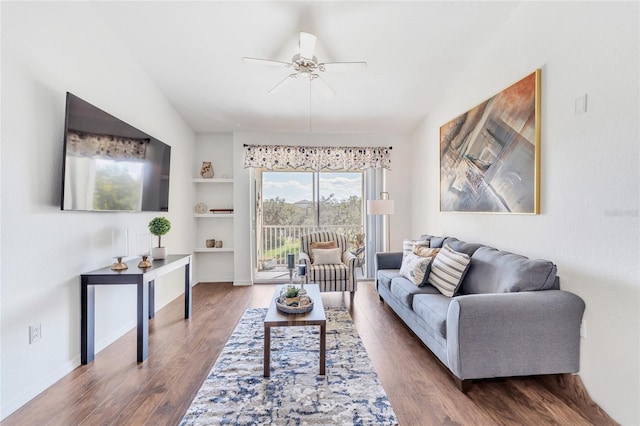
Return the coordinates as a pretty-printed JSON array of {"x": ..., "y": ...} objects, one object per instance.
[
  {"x": 292, "y": 301},
  {"x": 159, "y": 253}
]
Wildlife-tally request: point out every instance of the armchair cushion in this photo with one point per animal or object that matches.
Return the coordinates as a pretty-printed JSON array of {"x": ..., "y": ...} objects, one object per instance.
[
  {"x": 326, "y": 256},
  {"x": 321, "y": 245}
]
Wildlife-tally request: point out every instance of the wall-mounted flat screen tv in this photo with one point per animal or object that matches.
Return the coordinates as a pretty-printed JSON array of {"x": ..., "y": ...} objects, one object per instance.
[{"x": 109, "y": 165}]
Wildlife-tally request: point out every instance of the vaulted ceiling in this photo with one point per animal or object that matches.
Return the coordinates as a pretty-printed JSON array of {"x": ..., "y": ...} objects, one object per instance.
[{"x": 193, "y": 50}]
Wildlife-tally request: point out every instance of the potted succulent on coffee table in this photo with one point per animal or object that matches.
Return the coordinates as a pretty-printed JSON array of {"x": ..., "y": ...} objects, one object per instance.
[
  {"x": 291, "y": 296},
  {"x": 159, "y": 226}
]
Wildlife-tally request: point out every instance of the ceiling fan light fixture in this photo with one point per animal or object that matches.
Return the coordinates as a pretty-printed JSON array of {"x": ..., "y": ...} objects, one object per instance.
[{"x": 306, "y": 65}]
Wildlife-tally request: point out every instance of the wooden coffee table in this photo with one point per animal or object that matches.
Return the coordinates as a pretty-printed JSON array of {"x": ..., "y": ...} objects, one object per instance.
[{"x": 275, "y": 318}]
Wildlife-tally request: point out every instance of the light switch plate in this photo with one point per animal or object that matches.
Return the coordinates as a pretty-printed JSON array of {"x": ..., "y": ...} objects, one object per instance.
[{"x": 581, "y": 104}]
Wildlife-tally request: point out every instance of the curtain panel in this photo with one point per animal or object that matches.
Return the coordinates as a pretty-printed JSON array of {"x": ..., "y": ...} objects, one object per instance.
[{"x": 282, "y": 157}]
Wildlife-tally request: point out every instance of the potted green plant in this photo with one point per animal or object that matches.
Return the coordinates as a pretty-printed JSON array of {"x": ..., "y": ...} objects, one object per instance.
[
  {"x": 159, "y": 226},
  {"x": 291, "y": 296}
]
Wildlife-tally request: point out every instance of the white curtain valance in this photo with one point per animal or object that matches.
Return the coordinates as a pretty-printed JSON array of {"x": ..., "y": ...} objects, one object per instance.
[{"x": 280, "y": 157}]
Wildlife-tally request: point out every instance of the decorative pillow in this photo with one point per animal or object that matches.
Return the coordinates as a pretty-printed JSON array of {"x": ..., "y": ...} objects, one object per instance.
[
  {"x": 326, "y": 256},
  {"x": 408, "y": 245},
  {"x": 416, "y": 268},
  {"x": 448, "y": 270},
  {"x": 425, "y": 251},
  {"x": 322, "y": 245}
]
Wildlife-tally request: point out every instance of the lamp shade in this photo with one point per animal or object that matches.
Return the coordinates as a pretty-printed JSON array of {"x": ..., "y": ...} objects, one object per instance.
[{"x": 376, "y": 207}]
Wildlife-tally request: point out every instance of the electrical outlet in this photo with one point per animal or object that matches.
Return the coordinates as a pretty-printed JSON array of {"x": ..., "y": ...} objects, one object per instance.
[
  {"x": 583, "y": 328},
  {"x": 35, "y": 333}
]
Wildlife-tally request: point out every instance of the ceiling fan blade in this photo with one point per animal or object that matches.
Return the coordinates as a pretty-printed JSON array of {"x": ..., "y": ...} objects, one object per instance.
[
  {"x": 307, "y": 45},
  {"x": 275, "y": 88},
  {"x": 268, "y": 62},
  {"x": 323, "y": 86},
  {"x": 343, "y": 66}
]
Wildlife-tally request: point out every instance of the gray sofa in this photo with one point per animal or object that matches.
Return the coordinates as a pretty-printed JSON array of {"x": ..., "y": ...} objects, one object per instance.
[{"x": 509, "y": 317}]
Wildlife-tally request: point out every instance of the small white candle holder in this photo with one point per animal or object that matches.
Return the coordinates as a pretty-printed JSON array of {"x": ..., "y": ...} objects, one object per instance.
[
  {"x": 143, "y": 247},
  {"x": 119, "y": 248}
]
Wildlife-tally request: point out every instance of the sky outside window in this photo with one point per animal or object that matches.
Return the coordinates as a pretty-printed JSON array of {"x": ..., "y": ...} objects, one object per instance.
[{"x": 297, "y": 186}]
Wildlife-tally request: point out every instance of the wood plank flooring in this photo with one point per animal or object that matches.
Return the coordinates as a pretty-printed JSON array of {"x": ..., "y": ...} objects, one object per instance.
[{"x": 116, "y": 390}]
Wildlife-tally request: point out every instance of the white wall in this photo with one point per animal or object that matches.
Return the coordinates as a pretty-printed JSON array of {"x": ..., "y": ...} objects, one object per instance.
[
  {"x": 44, "y": 250},
  {"x": 397, "y": 183},
  {"x": 589, "y": 221}
]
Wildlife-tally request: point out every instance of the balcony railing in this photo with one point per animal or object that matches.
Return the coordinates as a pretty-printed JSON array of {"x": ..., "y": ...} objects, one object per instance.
[{"x": 278, "y": 241}]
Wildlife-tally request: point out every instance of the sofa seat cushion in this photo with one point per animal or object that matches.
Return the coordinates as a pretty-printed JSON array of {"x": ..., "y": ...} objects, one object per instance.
[
  {"x": 432, "y": 308},
  {"x": 404, "y": 290},
  {"x": 495, "y": 271},
  {"x": 385, "y": 276}
]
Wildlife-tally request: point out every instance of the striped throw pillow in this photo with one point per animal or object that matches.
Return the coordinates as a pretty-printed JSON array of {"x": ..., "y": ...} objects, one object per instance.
[
  {"x": 408, "y": 246},
  {"x": 448, "y": 270}
]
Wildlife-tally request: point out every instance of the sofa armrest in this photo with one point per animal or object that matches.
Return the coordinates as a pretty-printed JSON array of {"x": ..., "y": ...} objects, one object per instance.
[
  {"x": 514, "y": 334},
  {"x": 388, "y": 260}
]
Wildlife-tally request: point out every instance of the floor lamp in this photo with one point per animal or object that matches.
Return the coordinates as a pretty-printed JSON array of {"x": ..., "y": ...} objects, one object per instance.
[{"x": 384, "y": 206}]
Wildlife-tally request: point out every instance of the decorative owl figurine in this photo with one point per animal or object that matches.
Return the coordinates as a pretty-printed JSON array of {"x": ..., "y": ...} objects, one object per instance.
[{"x": 207, "y": 170}]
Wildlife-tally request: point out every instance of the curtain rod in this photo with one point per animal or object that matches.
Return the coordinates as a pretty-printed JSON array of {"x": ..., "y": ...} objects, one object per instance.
[{"x": 390, "y": 147}]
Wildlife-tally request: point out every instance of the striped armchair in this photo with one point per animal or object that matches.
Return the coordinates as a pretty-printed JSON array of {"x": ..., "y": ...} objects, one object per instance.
[{"x": 334, "y": 277}]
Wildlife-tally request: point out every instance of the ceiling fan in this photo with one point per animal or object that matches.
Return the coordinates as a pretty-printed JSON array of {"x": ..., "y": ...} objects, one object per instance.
[{"x": 305, "y": 64}]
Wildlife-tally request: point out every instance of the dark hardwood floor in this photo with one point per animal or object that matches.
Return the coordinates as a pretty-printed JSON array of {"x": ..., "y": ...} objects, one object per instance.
[{"x": 115, "y": 389}]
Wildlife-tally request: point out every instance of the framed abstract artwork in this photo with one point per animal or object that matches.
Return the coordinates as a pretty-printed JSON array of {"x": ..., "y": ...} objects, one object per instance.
[{"x": 490, "y": 155}]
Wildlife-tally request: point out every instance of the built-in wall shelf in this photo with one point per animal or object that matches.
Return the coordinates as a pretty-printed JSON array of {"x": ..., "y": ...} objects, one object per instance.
[
  {"x": 216, "y": 193},
  {"x": 213, "y": 250}
]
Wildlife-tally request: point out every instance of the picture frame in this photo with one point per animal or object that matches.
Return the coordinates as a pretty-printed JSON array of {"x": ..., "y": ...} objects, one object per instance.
[{"x": 490, "y": 155}]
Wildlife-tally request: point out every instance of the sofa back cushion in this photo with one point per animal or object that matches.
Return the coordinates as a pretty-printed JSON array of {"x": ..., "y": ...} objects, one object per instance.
[
  {"x": 434, "y": 241},
  {"x": 495, "y": 271},
  {"x": 461, "y": 246}
]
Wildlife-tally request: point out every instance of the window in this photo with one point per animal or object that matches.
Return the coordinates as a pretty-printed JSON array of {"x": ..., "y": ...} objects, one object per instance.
[{"x": 291, "y": 204}]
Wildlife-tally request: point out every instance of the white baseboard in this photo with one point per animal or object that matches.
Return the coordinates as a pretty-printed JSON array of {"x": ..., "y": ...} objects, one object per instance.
[
  {"x": 213, "y": 280},
  {"x": 36, "y": 389}
]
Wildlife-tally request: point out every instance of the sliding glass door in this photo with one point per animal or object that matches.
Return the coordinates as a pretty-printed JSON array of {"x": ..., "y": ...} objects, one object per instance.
[{"x": 291, "y": 204}]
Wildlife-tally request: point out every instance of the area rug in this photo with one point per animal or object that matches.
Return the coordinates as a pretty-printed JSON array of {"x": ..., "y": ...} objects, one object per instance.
[{"x": 235, "y": 392}]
